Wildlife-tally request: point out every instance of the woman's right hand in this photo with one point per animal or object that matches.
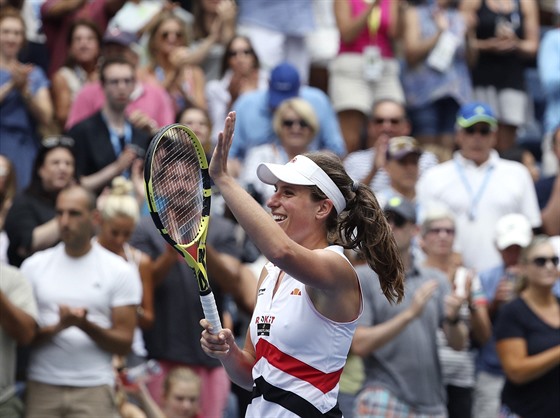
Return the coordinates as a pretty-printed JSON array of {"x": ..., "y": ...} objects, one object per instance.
[{"x": 216, "y": 345}]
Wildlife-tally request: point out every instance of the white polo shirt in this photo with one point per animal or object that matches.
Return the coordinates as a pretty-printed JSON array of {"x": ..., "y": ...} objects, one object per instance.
[{"x": 478, "y": 196}]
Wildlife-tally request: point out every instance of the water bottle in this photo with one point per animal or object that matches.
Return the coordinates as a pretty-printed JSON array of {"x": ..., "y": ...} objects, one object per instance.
[{"x": 142, "y": 371}]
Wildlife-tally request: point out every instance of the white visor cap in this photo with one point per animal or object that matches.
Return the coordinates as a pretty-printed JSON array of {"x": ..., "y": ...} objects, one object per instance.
[{"x": 304, "y": 172}]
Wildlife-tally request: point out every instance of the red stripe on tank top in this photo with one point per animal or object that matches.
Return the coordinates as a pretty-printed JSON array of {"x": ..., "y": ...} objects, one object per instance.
[{"x": 325, "y": 382}]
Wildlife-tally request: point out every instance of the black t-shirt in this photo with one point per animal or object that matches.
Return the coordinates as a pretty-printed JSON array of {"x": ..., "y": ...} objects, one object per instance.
[{"x": 538, "y": 398}]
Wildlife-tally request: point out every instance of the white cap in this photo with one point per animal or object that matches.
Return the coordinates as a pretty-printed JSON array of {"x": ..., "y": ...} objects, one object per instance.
[
  {"x": 304, "y": 172},
  {"x": 513, "y": 229}
]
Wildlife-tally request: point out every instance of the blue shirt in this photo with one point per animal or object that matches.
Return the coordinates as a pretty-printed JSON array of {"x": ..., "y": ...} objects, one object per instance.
[
  {"x": 253, "y": 124},
  {"x": 290, "y": 17},
  {"x": 548, "y": 63}
]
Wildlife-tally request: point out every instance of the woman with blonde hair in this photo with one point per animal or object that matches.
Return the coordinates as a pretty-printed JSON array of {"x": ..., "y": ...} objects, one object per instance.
[
  {"x": 181, "y": 395},
  {"x": 119, "y": 213},
  {"x": 295, "y": 125},
  {"x": 528, "y": 337}
]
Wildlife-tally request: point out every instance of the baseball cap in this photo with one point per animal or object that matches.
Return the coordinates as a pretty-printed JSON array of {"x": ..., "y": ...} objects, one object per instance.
[
  {"x": 283, "y": 84},
  {"x": 117, "y": 36},
  {"x": 302, "y": 171},
  {"x": 402, "y": 207},
  {"x": 476, "y": 112},
  {"x": 401, "y": 146},
  {"x": 513, "y": 229}
]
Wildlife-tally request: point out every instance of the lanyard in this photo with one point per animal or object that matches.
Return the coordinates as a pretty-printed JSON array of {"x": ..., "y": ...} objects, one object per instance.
[
  {"x": 475, "y": 196},
  {"x": 116, "y": 141}
]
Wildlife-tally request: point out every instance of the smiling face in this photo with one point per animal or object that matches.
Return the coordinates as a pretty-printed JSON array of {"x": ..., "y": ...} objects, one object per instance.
[
  {"x": 295, "y": 211},
  {"x": 12, "y": 36},
  {"x": 540, "y": 266},
  {"x": 295, "y": 132}
]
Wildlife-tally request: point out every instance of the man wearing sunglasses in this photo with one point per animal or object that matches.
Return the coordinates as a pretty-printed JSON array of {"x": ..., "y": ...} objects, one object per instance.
[
  {"x": 479, "y": 187},
  {"x": 387, "y": 120}
]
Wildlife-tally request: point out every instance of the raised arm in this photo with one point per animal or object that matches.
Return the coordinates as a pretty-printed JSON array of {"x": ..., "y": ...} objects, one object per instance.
[
  {"x": 370, "y": 338},
  {"x": 319, "y": 269}
]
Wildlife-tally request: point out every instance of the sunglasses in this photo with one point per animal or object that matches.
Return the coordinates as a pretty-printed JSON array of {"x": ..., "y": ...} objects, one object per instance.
[
  {"x": 382, "y": 121},
  {"x": 235, "y": 53},
  {"x": 288, "y": 123},
  {"x": 542, "y": 261},
  {"x": 438, "y": 231},
  {"x": 395, "y": 219},
  {"x": 165, "y": 35},
  {"x": 483, "y": 131},
  {"x": 57, "y": 141}
]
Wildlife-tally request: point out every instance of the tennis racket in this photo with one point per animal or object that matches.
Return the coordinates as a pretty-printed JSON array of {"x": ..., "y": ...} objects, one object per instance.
[{"x": 178, "y": 191}]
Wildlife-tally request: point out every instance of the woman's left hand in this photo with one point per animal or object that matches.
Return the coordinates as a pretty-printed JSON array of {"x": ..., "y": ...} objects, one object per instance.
[
  {"x": 219, "y": 161},
  {"x": 216, "y": 345}
]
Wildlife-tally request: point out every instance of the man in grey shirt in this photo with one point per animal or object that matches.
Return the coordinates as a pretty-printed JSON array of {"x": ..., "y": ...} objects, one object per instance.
[{"x": 398, "y": 342}]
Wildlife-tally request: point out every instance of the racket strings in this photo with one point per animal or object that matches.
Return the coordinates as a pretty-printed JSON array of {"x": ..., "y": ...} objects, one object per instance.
[{"x": 178, "y": 186}]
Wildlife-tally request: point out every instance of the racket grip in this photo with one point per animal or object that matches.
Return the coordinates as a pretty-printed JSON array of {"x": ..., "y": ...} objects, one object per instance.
[{"x": 211, "y": 312}]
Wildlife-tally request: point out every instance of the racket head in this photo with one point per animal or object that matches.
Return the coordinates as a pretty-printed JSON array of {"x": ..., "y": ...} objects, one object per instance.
[{"x": 178, "y": 193}]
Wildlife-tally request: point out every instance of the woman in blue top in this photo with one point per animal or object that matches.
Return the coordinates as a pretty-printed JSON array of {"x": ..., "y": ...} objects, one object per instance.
[
  {"x": 435, "y": 76},
  {"x": 25, "y": 101}
]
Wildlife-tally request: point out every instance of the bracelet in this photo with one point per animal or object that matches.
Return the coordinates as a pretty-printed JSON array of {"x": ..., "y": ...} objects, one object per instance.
[{"x": 453, "y": 321}]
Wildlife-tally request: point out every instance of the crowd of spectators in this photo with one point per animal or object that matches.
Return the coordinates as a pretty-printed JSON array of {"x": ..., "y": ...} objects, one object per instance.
[{"x": 427, "y": 102}]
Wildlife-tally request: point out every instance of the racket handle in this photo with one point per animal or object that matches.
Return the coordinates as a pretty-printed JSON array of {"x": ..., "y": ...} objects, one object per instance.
[{"x": 211, "y": 312}]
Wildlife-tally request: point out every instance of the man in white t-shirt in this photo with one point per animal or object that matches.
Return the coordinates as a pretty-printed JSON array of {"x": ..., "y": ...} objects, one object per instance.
[
  {"x": 87, "y": 299},
  {"x": 479, "y": 187}
]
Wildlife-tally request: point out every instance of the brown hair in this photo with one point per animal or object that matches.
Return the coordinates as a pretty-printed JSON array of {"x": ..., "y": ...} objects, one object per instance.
[
  {"x": 362, "y": 226},
  {"x": 160, "y": 20},
  {"x": 225, "y": 57},
  {"x": 70, "y": 60}
]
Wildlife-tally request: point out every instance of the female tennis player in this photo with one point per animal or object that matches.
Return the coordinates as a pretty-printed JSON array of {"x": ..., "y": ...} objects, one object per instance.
[{"x": 309, "y": 296}]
